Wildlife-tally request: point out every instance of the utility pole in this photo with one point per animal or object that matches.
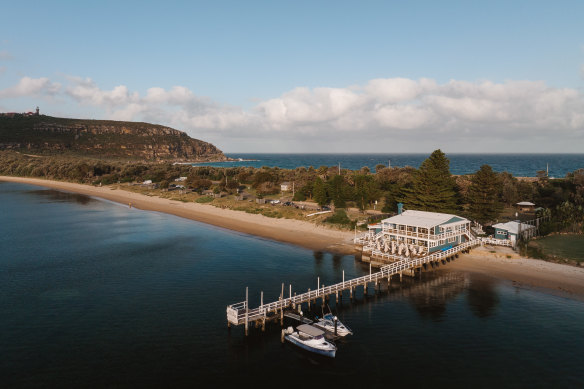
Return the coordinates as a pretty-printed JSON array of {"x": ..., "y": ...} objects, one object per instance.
[{"x": 339, "y": 168}]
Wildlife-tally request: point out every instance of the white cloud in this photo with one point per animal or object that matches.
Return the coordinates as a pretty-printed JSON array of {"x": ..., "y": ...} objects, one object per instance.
[
  {"x": 380, "y": 111},
  {"x": 31, "y": 87}
]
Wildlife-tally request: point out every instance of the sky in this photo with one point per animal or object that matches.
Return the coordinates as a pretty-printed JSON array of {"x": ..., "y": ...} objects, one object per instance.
[{"x": 308, "y": 76}]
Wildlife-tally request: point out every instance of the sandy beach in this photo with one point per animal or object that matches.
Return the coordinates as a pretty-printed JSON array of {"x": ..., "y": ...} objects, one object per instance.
[
  {"x": 498, "y": 262},
  {"x": 504, "y": 263},
  {"x": 297, "y": 232}
]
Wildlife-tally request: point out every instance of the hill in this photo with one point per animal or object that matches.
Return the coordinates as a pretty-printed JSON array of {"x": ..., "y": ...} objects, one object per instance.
[{"x": 48, "y": 135}]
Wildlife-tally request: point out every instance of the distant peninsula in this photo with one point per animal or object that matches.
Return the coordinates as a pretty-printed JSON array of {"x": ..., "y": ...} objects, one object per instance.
[{"x": 105, "y": 139}]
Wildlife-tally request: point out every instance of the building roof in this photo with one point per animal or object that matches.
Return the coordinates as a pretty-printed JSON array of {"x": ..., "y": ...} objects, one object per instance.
[
  {"x": 423, "y": 218},
  {"x": 310, "y": 330},
  {"x": 525, "y": 203},
  {"x": 512, "y": 227}
]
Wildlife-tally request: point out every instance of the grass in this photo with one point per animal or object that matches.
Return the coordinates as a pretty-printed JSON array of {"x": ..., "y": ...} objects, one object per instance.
[
  {"x": 204, "y": 199},
  {"x": 568, "y": 246}
]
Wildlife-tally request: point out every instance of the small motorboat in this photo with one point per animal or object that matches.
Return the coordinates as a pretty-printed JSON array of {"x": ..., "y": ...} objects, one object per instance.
[
  {"x": 333, "y": 325},
  {"x": 311, "y": 339}
]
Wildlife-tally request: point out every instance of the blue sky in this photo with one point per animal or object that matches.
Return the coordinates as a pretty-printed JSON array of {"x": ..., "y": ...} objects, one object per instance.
[{"x": 308, "y": 76}]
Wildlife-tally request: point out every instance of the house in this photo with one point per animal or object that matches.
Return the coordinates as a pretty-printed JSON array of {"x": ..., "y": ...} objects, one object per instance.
[
  {"x": 511, "y": 230},
  {"x": 180, "y": 179},
  {"x": 525, "y": 206},
  {"x": 147, "y": 182},
  {"x": 418, "y": 233},
  {"x": 285, "y": 186}
]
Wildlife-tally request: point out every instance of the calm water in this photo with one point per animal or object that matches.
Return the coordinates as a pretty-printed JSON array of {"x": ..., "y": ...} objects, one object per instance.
[
  {"x": 521, "y": 165},
  {"x": 93, "y": 294}
]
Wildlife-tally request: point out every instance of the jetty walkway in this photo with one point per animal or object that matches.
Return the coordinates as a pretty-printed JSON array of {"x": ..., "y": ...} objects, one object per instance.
[{"x": 240, "y": 313}]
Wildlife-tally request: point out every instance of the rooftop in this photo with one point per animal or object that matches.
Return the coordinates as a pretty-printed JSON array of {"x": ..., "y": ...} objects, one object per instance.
[
  {"x": 513, "y": 227},
  {"x": 422, "y": 218}
]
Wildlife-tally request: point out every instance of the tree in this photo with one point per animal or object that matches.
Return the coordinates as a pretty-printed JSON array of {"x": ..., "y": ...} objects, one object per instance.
[
  {"x": 433, "y": 188},
  {"x": 320, "y": 195},
  {"x": 484, "y": 195},
  {"x": 366, "y": 190},
  {"x": 337, "y": 190}
]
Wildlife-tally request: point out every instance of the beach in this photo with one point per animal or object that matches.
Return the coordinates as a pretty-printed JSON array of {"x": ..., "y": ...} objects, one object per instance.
[
  {"x": 497, "y": 262},
  {"x": 305, "y": 234}
]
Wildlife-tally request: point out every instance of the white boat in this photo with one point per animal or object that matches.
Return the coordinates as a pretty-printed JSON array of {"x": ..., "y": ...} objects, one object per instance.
[
  {"x": 311, "y": 339},
  {"x": 328, "y": 324}
]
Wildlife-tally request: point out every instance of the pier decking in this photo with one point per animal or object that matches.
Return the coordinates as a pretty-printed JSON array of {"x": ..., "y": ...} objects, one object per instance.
[{"x": 240, "y": 313}]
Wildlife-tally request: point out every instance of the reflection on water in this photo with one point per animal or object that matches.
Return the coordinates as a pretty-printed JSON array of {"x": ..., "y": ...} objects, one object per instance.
[
  {"x": 431, "y": 295},
  {"x": 107, "y": 296},
  {"x": 52, "y": 195},
  {"x": 482, "y": 295}
]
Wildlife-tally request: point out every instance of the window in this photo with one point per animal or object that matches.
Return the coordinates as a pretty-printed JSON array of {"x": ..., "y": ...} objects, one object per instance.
[{"x": 451, "y": 240}]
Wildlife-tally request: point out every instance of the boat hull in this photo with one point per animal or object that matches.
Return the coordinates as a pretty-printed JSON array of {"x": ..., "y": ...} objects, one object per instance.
[{"x": 326, "y": 353}]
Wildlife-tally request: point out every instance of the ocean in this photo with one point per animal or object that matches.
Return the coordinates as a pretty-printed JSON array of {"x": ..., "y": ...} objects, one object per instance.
[
  {"x": 520, "y": 165},
  {"x": 95, "y": 294}
]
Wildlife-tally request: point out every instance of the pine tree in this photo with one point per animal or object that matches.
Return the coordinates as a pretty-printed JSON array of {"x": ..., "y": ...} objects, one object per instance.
[
  {"x": 484, "y": 195},
  {"x": 319, "y": 191},
  {"x": 433, "y": 187},
  {"x": 338, "y": 191}
]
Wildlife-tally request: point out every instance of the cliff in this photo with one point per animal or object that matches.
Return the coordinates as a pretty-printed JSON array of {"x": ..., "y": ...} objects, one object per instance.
[{"x": 102, "y": 138}]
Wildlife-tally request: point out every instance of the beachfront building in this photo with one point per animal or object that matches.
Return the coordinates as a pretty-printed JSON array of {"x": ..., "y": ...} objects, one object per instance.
[
  {"x": 512, "y": 230},
  {"x": 416, "y": 233},
  {"x": 285, "y": 186}
]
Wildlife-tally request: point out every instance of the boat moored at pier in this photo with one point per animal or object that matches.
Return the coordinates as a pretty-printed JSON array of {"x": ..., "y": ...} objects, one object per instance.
[{"x": 310, "y": 339}]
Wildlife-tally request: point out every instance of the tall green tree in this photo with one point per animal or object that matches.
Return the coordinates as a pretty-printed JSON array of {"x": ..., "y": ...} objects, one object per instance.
[
  {"x": 484, "y": 195},
  {"x": 366, "y": 190},
  {"x": 338, "y": 191},
  {"x": 319, "y": 191},
  {"x": 433, "y": 187}
]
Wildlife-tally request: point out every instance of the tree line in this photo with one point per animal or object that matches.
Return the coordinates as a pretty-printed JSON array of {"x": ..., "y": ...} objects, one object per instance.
[{"x": 481, "y": 196}]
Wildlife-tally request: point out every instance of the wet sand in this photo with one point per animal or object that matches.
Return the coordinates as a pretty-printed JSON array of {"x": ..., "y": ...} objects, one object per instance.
[{"x": 563, "y": 280}]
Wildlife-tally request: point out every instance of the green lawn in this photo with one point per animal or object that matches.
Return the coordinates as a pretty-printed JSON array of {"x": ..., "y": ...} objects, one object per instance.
[{"x": 563, "y": 246}]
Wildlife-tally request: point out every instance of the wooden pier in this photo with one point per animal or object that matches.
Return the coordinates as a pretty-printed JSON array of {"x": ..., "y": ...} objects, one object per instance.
[{"x": 240, "y": 313}]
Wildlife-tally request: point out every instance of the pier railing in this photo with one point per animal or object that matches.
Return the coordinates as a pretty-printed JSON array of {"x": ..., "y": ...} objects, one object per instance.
[{"x": 240, "y": 313}]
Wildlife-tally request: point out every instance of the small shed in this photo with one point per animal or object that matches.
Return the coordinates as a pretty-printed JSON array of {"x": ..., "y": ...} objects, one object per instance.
[
  {"x": 525, "y": 206},
  {"x": 285, "y": 186},
  {"x": 511, "y": 230}
]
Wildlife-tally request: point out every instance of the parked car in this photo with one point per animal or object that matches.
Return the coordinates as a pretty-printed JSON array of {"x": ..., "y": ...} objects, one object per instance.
[
  {"x": 326, "y": 208},
  {"x": 275, "y": 202}
]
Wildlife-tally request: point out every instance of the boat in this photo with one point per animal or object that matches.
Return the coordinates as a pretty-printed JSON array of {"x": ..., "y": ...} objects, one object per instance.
[
  {"x": 311, "y": 339},
  {"x": 333, "y": 325}
]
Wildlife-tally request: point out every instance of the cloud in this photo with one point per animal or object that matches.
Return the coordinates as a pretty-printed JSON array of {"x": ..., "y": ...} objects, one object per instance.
[
  {"x": 5, "y": 56},
  {"x": 31, "y": 87},
  {"x": 380, "y": 111}
]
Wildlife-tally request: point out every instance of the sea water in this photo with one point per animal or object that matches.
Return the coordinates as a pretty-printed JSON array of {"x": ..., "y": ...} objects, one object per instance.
[
  {"x": 520, "y": 165},
  {"x": 95, "y": 294}
]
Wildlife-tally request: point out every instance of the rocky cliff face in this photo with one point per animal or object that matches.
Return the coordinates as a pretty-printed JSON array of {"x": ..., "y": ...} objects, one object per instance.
[{"x": 110, "y": 139}]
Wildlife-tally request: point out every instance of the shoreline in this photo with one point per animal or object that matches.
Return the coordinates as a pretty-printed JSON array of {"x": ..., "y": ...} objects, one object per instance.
[
  {"x": 297, "y": 232},
  {"x": 503, "y": 263},
  {"x": 498, "y": 262}
]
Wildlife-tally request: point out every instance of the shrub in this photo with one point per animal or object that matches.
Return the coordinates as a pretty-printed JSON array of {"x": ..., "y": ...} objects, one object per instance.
[{"x": 339, "y": 217}]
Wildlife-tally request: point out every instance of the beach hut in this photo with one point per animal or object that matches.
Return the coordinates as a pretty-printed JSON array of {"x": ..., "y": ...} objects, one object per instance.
[{"x": 513, "y": 229}]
